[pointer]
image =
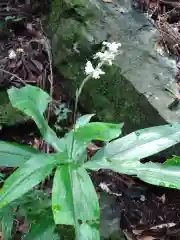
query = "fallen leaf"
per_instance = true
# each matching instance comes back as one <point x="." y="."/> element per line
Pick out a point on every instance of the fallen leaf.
<point x="107" y="1"/>
<point x="146" y="238"/>
<point x="92" y="149"/>
<point x="137" y="232"/>
<point x="163" y="225"/>
<point x="129" y="235"/>
<point x="163" y="198"/>
<point x="24" y="228"/>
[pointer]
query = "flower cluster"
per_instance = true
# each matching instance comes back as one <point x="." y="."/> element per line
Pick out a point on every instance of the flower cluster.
<point x="13" y="54"/>
<point x="89" y="69"/>
<point x="106" y="56"/>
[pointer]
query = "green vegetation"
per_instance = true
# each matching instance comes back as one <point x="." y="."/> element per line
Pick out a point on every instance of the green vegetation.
<point x="74" y="200"/>
<point x="46" y="190"/>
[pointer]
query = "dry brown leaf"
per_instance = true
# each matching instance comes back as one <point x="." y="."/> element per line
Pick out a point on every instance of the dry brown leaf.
<point x="107" y="1"/>
<point x="36" y="143"/>
<point x="163" y="198"/>
<point x="161" y="218"/>
<point x="137" y="231"/>
<point x="141" y="221"/>
<point x="146" y="238"/>
<point x="92" y="147"/>
<point x="24" y="228"/>
<point x="129" y="235"/>
<point x="163" y="225"/>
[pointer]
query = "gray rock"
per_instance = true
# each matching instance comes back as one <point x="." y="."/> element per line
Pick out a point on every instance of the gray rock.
<point x="132" y="91"/>
<point x="110" y="218"/>
<point x="77" y="31"/>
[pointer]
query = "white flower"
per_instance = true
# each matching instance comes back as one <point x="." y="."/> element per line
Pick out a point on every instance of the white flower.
<point x="112" y="47"/>
<point x="96" y="72"/>
<point x="20" y="50"/>
<point x="112" y="50"/>
<point x="89" y="68"/>
<point x="105" y="56"/>
<point x="12" y="54"/>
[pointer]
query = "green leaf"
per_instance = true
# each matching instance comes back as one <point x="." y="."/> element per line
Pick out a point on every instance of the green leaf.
<point x="14" y="155"/>
<point x="89" y="231"/>
<point x="43" y="228"/>
<point x="123" y="155"/>
<point x="62" y="202"/>
<point x="38" y="99"/>
<point x="159" y="174"/>
<point x="29" y="175"/>
<point x="76" y="151"/>
<point x="175" y="161"/>
<point x="85" y="134"/>
<point x="83" y="120"/>
<point x="33" y="102"/>
<point x="97" y="131"/>
<point x="6" y="222"/>
<point x="133" y="147"/>
<point x="74" y="201"/>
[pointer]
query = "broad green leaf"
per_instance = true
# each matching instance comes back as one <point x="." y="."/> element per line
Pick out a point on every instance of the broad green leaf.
<point x="38" y="99"/>
<point x="6" y="221"/>
<point x="80" y="137"/>
<point x="43" y="228"/>
<point x="33" y="102"/>
<point x="62" y="199"/>
<point x="74" y="201"/>
<point x="14" y="155"/>
<point x="26" y="177"/>
<point x="76" y="150"/>
<point x="123" y="155"/>
<point x="97" y="131"/>
<point x="83" y="120"/>
<point x="89" y="231"/>
<point x="175" y="161"/>
<point x="135" y="146"/>
<point x="159" y="174"/>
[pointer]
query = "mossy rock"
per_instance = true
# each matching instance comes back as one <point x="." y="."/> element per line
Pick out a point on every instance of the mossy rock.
<point x="77" y="31"/>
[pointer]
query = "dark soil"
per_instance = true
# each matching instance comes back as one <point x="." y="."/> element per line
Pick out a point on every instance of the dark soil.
<point x="147" y="212"/>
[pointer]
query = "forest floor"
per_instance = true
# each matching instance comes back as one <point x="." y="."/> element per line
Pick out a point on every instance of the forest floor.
<point x="147" y="212"/>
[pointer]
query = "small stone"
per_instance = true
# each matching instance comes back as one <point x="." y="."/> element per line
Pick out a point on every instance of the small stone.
<point x="142" y="198"/>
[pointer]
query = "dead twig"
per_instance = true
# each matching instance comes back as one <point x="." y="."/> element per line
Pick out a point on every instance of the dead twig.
<point x="47" y="46"/>
<point x="13" y="75"/>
